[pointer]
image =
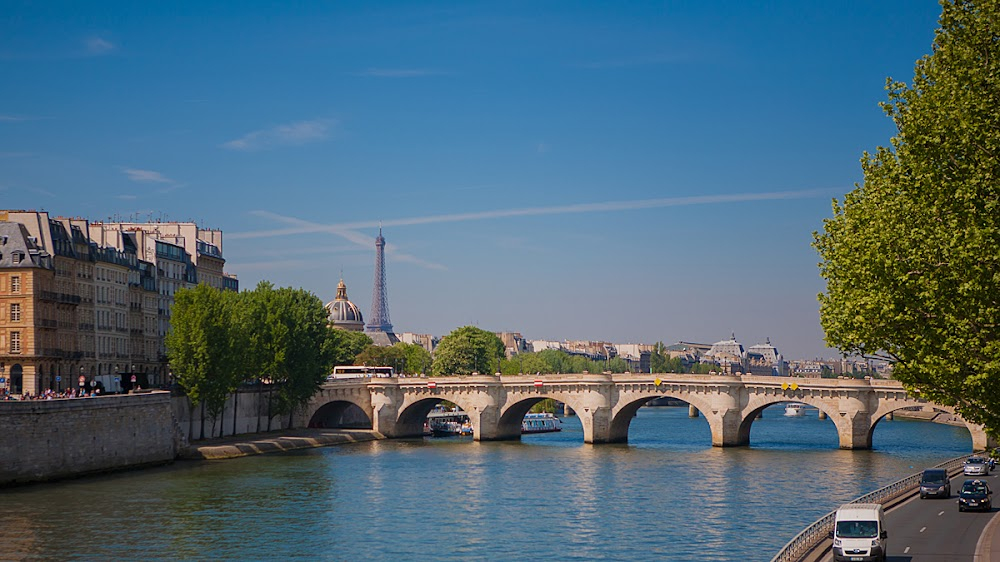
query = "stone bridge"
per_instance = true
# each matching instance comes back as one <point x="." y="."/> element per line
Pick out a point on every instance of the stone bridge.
<point x="607" y="403"/>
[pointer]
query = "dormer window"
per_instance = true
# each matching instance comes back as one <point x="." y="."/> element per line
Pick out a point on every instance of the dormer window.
<point x="17" y="257"/>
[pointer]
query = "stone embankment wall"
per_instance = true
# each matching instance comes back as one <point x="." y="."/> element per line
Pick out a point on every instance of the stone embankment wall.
<point x="51" y="439"/>
<point x="932" y="415"/>
<point x="248" y="406"/>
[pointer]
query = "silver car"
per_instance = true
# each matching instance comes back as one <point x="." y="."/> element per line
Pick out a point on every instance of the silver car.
<point x="976" y="466"/>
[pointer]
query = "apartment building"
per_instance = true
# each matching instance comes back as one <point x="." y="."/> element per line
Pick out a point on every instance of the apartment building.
<point x="84" y="303"/>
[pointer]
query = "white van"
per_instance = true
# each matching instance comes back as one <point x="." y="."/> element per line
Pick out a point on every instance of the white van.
<point x="859" y="533"/>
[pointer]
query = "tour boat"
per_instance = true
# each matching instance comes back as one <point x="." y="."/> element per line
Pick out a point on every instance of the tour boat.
<point x="540" y="423"/>
<point x="444" y="424"/>
<point x="795" y="410"/>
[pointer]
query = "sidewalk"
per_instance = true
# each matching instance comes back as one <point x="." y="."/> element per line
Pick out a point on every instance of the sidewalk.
<point x="989" y="540"/>
<point x="277" y="441"/>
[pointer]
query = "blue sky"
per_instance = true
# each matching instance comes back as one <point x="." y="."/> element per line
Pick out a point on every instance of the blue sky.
<point x="623" y="171"/>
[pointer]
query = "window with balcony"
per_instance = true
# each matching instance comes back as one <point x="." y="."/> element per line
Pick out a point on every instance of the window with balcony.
<point x="15" y="342"/>
<point x="15" y="312"/>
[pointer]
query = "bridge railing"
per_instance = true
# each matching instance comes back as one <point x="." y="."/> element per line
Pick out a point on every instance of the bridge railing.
<point x="812" y="535"/>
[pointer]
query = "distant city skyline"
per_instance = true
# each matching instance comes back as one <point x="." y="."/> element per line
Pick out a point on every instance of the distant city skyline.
<point x="610" y="172"/>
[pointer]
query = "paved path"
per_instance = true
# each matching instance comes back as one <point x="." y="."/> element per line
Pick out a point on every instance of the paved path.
<point x="988" y="548"/>
<point x="260" y="443"/>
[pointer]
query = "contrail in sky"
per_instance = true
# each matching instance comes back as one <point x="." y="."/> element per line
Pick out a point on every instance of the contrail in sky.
<point x="346" y="229"/>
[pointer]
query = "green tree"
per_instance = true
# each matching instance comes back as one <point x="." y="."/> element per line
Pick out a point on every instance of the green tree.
<point x="660" y="361"/>
<point x="701" y="368"/>
<point x="378" y="356"/>
<point x="416" y="358"/>
<point x="911" y="258"/>
<point x="556" y="361"/>
<point x="526" y="363"/>
<point x="466" y="350"/>
<point x="405" y="358"/>
<point x="204" y="347"/>
<point x="304" y="346"/>
<point x="545" y="405"/>
<point x="348" y="345"/>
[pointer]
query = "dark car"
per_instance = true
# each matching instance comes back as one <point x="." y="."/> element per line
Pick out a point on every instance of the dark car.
<point x="935" y="482"/>
<point x="975" y="494"/>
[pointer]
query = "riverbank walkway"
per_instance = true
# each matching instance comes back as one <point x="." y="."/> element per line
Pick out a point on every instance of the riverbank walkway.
<point x="274" y="442"/>
<point x="988" y="547"/>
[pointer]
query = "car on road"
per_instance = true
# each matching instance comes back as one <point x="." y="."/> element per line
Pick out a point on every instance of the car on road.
<point x="976" y="466"/>
<point x="975" y="494"/>
<point x="935" y="482"/>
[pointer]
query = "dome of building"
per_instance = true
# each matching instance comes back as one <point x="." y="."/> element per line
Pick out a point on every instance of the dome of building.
<point x="343" y="313"/>
<point x="726" y="348"/>
<point x="768" y="351"/>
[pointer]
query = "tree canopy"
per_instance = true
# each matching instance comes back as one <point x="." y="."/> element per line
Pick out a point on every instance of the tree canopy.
<point x="403" y="357"/>
<point x="204" y="350"/>
<point x="348" y="345"/>
<point x="220" y="339"/>
<point x="911" y="257"/>
<point x="466" y="350"/>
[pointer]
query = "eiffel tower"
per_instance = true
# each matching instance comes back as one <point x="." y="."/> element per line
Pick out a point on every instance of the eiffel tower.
<point x="378" y="322"/>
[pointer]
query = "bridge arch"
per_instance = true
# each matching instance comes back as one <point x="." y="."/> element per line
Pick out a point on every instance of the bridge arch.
<point x="758" y="403"/>
<point x="413" y="413"/>
<point x="622" y="417"/>
<point x="980" y="440"/>
<point x="333" y="402"/>
<point x="511" y="416"/>
<point x="342" y="414"/>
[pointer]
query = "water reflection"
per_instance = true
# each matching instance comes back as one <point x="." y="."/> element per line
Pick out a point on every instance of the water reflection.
<point x="667" y="494"/>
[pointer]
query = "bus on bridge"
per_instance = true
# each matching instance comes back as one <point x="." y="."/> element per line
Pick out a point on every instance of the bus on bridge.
<point x="346" y="372"/>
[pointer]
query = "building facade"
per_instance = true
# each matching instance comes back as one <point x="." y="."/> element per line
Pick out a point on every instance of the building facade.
<point x="88" y="304"/>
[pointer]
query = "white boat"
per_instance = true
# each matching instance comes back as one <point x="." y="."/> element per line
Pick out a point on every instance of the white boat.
<point x="443" y="424"/>
<point x="543" y="422"/>
<point x="795" y="410"/>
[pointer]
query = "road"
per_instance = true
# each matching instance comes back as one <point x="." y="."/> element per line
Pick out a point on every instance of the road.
<point x="933" y="530"/>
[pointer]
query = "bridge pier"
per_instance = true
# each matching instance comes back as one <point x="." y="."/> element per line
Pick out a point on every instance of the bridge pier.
<point x="855" y="430"/>
<point x="597" y="426"/>
<point x="692" y="411"/>
<point x="728" y="429"/>
<point x="980" y="440"/>
<point x="486" y="424"/>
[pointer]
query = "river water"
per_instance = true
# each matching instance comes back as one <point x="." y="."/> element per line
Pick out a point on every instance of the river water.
<point x="667" y="495"/>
